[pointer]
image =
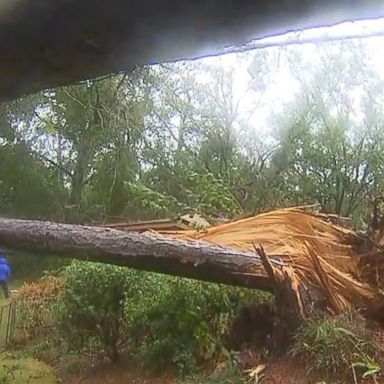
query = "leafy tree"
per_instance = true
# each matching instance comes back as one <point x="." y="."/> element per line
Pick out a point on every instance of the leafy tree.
<point x="173" y="138"/>
<point x="330" y="139"/>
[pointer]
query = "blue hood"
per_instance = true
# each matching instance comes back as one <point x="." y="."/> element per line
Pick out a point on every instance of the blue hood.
<point x="5" y="270"/>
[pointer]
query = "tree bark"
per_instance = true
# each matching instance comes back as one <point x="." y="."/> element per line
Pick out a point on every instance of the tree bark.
<point x="148" y="252"/>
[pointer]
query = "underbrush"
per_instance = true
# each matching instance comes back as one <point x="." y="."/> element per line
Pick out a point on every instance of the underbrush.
<point x="182" y="323"/>
<point x="34" y="309"/>
<point x="340" y="347"/>
<point x="163" y="322"/>
<point x="90" y="311"/>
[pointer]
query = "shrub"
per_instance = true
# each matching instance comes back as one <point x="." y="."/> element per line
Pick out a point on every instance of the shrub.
<point x="182" y="323"/>
<point x="337" y="347"/>
<point x="90" y="307"/>
<point x="166" y="321"/>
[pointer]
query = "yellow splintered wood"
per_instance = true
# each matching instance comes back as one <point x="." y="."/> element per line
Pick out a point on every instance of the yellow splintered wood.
<point x="322" y="254"/>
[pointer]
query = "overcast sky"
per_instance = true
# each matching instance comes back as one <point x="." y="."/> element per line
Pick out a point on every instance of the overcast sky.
<point x="282" y="86"/>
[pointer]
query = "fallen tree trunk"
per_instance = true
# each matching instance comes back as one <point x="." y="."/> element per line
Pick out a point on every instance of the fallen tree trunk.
<point x="311" y="266"/>
<point x="148" y="252"/>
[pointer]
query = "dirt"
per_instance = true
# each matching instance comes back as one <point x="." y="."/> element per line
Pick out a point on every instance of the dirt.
<point x="287" y="371"/>
<point x="122" y="372"/>
<point x="253" y="326"/>
<point x="290" y="371"/>
<point x="279" y="371"/>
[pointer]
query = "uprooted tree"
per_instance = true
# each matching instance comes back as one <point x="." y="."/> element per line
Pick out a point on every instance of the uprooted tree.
<point x="311" y="265"/>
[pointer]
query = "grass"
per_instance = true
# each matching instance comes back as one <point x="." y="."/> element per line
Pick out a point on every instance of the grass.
<point x="337" y="347"/>
<point x="21" y="370"/>
<point x="14" y="284"/>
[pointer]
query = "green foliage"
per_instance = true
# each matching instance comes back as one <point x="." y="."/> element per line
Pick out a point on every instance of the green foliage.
<point x="5" y="375"/>
<point x="91" y="306"/>
<point x="176" y="137"/>
<point x="167" y="322"/>
<point x="368" y="366"/>
<point x="328" y="154"/>
<point x="151" y="202"/>
<point x="211" y="196"/>
<point x="337" y="347"/>
<point x="27" y="187"/>
<point x="182" y="323"/>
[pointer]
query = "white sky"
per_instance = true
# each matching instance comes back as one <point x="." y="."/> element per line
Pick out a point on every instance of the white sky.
<point x="282" y="86"/>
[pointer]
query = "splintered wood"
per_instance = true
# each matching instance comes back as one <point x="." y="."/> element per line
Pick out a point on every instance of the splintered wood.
<point x="317" y="255"/>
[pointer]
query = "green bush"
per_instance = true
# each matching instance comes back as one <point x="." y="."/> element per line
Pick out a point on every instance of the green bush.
<point x="165" y="321"/>
<point x="337" y="347"/>
<point x="90" y="307"/>
<point x="182" y="323"/>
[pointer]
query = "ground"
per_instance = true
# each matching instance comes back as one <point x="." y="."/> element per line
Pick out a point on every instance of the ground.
<point x="280" y="371"/>
<point x="21" y="370"/>
<point x="119" y="373"/>
<point x="124" y="372"/>
<point x="4" y="312"/>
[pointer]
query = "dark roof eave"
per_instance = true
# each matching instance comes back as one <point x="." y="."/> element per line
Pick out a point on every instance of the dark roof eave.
<point x="48" y="43"/>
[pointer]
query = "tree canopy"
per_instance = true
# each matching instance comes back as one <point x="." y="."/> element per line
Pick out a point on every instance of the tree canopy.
<point x="170" y="139"/>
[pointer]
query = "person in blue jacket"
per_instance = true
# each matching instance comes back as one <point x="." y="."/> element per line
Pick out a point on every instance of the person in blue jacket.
<point x="5" y="273"/>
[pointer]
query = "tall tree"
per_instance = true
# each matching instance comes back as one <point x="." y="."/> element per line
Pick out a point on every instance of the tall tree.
<point x="331" y="135"/>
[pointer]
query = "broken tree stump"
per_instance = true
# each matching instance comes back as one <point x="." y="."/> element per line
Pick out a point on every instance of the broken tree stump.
<point x="295" y="303"/>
